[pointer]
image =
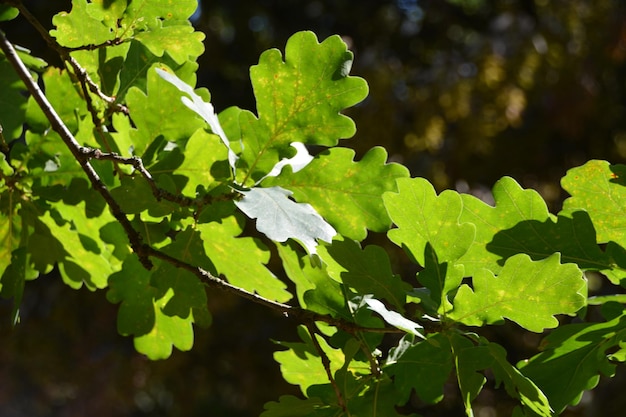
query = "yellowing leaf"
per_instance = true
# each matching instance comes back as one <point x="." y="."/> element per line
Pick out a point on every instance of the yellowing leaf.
<point x="298" y="100"/>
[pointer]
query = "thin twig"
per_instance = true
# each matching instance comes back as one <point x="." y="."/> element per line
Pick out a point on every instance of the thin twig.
<point x="92" y="47"/>
<point x="159" y="193"/>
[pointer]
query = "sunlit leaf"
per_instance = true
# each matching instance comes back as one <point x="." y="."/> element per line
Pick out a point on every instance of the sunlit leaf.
<point x="527" y="292"/>
<point x="357" y="190"/>
<point x="598" y="188"/>
<point x="429" y="230"/>
<point x="298" y="100"/>
<point x="78" y="27"/>
<point x="242" y="260"/>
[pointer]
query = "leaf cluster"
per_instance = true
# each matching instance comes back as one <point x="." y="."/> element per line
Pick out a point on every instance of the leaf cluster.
<point x="125" y="178"/>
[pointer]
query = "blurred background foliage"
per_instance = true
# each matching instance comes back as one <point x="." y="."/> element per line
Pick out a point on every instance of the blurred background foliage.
<point x="462" y="92"/>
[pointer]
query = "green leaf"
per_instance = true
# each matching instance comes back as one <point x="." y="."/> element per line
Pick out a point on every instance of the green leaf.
<point x="423" y="218"/>
<point x="428" y="229"/>
<point x="142" y="312"/>
<point x="159" y="114"/>
<point x="132" y="288"/>
<point x="290" y="406"/>
<point x="514" y="206"/>
<point x="65" y="99"/>
<point x="10" y="226"/>
<point x="527" y="292"/>
<point x="368" y="270"/>
<point x="88" y="260"/>
<point x="187" y="292"/>
<point x="79" y="28"/>
<point x="107" y="11"/>
<point x="573" y="358"/>
<point x="424" y="367"/>
<point x="202" y="164"/>
<point x="315" y="289"/>
<point x="598" y="188"/>
<point x="280" y="218"/>
<point x="357" y="190"/>
<point x="470" y="359"/>
<point x="8" y="13"/>
<point x="181" y="42"/>
<point x="148" y="13"/>
<point x="301" y="365"/>
<point x="298" y="100"/>
<point x="134" y="196"/>
<point x="168" y="331"/>
<point x="12" y="102"/>
<point x="202" y="108"/>
<point x="241" y="259"/>
<point x="572" y="234"/>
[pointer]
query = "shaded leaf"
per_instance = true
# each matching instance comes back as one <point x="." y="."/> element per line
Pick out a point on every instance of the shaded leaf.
<point x="573" y="358"/>
<point x="134" y="196"/>
<point x="12" y="102"/>
<point x="423" y="366"/>
<point x="513" y="206"/>
<point x="572" y="234"/>
<point x="159" y="114"/>
<point x="290" y="406"/>
<point x="8" y="13"/>
<point x="367" y="270"/>
<point x="136" y="314"/>
<point x="280" y="218"/>
<point x="315" y="289"/>
<point x="470" y="359"/>
<point x="168" y="331"/>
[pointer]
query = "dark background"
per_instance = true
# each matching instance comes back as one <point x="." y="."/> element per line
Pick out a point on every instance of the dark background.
<point x="461" y="91"/>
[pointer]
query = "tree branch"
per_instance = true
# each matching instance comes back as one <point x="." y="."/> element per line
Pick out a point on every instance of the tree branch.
<point x="74" y="147"/>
